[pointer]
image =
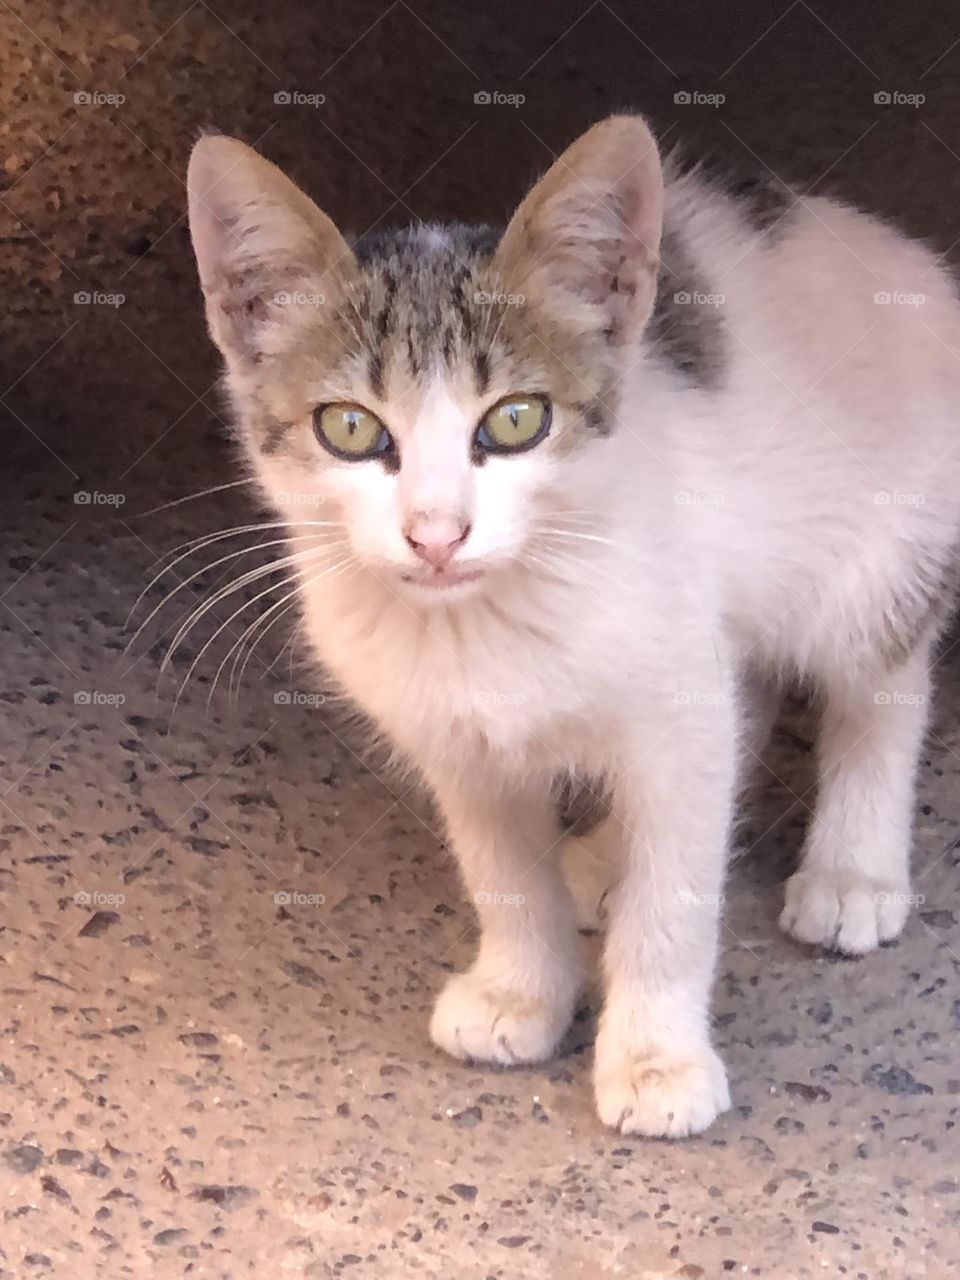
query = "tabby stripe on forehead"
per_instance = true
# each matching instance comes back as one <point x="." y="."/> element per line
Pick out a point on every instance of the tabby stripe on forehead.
<point x="413" y="360"/>
<point x="462" y="303"/>
<point x="375" y="373"/>
<point x="481" y="369"/>
<point x="383" y="327"/>
<point x="384" y="320"/>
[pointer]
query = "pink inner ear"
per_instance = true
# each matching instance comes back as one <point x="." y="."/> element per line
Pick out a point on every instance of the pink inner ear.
<point x="589" y="231"/>
<point x="209" y="233"/>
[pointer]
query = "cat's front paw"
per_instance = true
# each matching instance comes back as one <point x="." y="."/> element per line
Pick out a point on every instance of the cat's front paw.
<point x="659" y="1093"/>
<point x="849" y="912"/>
<point x="478" y="1020"/>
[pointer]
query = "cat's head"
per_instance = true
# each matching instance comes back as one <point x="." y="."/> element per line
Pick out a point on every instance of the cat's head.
<point x="441" y="391"/>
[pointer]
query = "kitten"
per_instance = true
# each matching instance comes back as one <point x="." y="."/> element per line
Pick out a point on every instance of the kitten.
<point x="588" y="487"/>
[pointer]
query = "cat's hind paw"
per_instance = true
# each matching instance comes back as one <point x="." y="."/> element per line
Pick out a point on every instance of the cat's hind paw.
<point x="478" y="1021"/>
<point x="592" y="883"/>
<point x="849" y="913"/>
<point x="661" y="1094"/>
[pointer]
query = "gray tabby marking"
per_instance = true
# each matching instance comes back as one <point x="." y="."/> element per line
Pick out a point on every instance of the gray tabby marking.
<point x="688" y="333"/>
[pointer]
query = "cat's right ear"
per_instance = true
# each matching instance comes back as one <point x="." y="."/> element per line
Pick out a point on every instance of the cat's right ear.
<point x="262" y="248"/>
<point x="585" y="242"/>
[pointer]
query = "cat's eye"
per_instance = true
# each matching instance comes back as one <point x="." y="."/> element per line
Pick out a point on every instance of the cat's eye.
<point x="352" y="432"/>
<point x="516" y="423"/>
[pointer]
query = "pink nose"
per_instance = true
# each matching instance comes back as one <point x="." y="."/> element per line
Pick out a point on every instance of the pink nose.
<point x="435" y="538"/>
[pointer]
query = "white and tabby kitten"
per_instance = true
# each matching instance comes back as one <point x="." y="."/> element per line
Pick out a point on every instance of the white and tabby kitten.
<point x="577" y="498"/>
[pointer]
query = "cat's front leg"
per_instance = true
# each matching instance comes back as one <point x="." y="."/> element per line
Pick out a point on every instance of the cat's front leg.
<point x="517" y="999"/>
<point x="656" y="1072"/>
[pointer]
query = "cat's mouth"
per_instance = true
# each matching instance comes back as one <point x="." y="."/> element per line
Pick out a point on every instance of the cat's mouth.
<point x="442" y="579"/>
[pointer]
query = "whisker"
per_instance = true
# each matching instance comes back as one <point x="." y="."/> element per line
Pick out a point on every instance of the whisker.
<point x="190" y="497"/>
<point x="238" y="679"/>
<point x="287" y="644"/>
<point x="233" y="555"/>
<point x="553" y="567"/>
<point x="206" y="539"/>
<point x="236" y="649"/>
<point x="576" y="513"/>
<point x="245" y="579"/>
<point x="235" y="683"/>
<point x="246" y="605"/>
<point x="276" y="586"/>
<point x="296" y="632"/>
<point x="259" y="526"/>
<point x="576" y="534"/>
<point x="559" y="553"/>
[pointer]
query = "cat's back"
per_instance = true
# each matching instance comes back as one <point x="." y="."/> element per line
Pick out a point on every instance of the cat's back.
<point x="797" y="279"/>
<point x="830" y="420"/>
<point x="822" y="319"/>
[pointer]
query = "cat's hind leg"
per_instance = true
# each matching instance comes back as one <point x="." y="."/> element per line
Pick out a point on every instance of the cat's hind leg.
<point x="592" y="865"/>
<point x="760" y="701"/>
<point x="852" y="890"/>
<point x="593" y="854"/>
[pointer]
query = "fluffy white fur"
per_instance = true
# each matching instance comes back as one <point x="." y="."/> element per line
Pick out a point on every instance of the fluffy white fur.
<point x="794" y="521"/>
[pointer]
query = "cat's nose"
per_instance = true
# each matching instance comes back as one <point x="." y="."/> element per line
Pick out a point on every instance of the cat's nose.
<point x="435" y="538"/>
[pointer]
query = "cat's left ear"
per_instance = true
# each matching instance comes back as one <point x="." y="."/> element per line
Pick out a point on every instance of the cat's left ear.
<point x="267" y="256"/>
<point x="585" y="242"/>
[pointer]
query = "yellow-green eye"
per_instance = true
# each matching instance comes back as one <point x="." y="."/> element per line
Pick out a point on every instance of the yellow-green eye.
<point x="519" y="422"/>
<point x="350" y="431"/>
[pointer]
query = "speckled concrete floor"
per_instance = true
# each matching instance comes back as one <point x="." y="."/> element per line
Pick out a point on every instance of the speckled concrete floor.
<point x="197" y="1077"/>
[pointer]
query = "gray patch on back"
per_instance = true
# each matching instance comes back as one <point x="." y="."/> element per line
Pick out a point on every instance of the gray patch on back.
<point x="761" y="199"/>
<point x="692" y="336"/>
<point x="687" y="333"/>
<point x="763" y="202"/>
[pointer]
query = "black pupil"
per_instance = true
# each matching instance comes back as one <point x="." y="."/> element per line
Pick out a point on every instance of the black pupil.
<point x="352" y="421"/>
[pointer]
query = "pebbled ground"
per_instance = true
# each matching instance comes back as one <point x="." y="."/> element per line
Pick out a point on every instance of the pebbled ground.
<point x="204" y="1069"/>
